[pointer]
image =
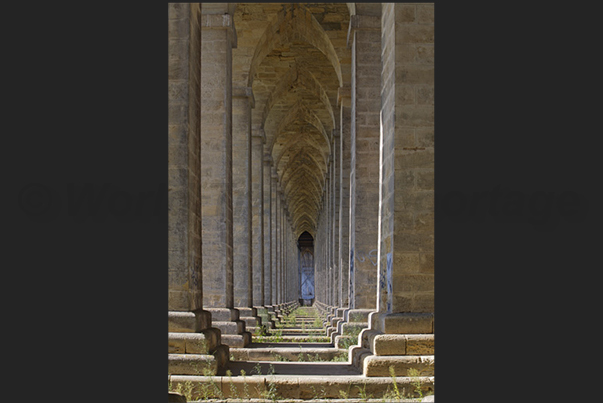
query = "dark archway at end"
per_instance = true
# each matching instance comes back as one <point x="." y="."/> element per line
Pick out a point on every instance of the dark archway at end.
<point x="305" y="244"/>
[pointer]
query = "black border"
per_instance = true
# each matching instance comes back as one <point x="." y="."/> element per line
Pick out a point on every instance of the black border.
<point x="85" y="86"/>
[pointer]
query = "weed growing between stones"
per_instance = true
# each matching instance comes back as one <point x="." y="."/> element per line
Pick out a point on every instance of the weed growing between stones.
<point x="362" y="392"/>
<point x="322" y="395"/>
<point x="345" y="394"/>
<point x="184" y="388"/>
<point x="418" y="384"/>
<point x="233" y="388"/>
<point x="278" y="357"/>
<point x="257" y="369"/>
<point x="270" y="393"/>
<point x="392" y="373"/>
<point x="210" y="390"/>
<point x="341" y="357"/>
<point x="245" y="387"/>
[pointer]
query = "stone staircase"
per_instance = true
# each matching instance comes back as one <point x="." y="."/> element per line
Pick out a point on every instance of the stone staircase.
<point x="273" y="367"/>
<point x="193" y="347"/>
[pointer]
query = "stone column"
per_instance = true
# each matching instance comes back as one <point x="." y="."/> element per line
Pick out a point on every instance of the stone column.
<point x="336" y="208"/>
<point x="405" y="291"/>
<point x="365" y="37"/>
<point x="243" y="281"/>
<point x="242" y="102"/>
<point x="191" y="339"/>
<point x="257" y="221"/>
<point x="282" y="249"/>
<point x="218" y="37"/>
<point x="344" y="99"/>
<point x="327" y="209"/>
<point x="274" y="238"/>
<point x="407" y="192"/>
<point x="185" y="290"/>
<point x="267" y="230"/>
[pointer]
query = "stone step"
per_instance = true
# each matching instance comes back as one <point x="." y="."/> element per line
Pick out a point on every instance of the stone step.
<point x="403" y="344"/>
<point x="341" y="341"/>
<point x="193" y="343"/>
<point x="376" y="365"/>
<point x="300" y="330"/>
<point x="250" y="321"/>
<point x="232" y="327"/>
<point x="287" y="354"/>
<point x="302" y="339"/>
<point x="306" y="387"/>
<point x="192" y="364"/>
<point x="236" y="340"/>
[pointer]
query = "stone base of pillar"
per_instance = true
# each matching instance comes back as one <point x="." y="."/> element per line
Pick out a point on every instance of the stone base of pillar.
<point x="189" y="322"/>
<point x="264" y="314"/>
<point x="232" y="328"/>
<point x="253" y="322"/>
<point x="408" y="343"/>
<point x="194" y="347"/>
<point x="404" y="323"/>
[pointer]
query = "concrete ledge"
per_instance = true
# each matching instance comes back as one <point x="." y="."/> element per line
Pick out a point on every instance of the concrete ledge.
<point x="379" y="365"/>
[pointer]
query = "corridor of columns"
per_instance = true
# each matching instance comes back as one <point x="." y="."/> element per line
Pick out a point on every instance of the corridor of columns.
<point x="301" y="140"/>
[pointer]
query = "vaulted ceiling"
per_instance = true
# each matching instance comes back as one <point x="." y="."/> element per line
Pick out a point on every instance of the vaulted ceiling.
<point x="294" y="57"/>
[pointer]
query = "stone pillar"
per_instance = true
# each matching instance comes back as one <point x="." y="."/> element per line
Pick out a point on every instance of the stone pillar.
<point x="189" y="326"/>
<point x="257" y="216"/>
<point x="267" y="229"/>
<point x="243" y="252"/>
<point x="405" y="291"/>
<point x="365" y="41"/>
<point x="242" y="102"/>
<point x="274" y="238"/>
<point x="407" y="192"/>
<point x="344" y="99"/>
<point x="327" y="232"/>
<point x="218" y="37"/>
<point x="336" y="208"/>
<point x="282" y="249"/>
<point x="185" y="283"/>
